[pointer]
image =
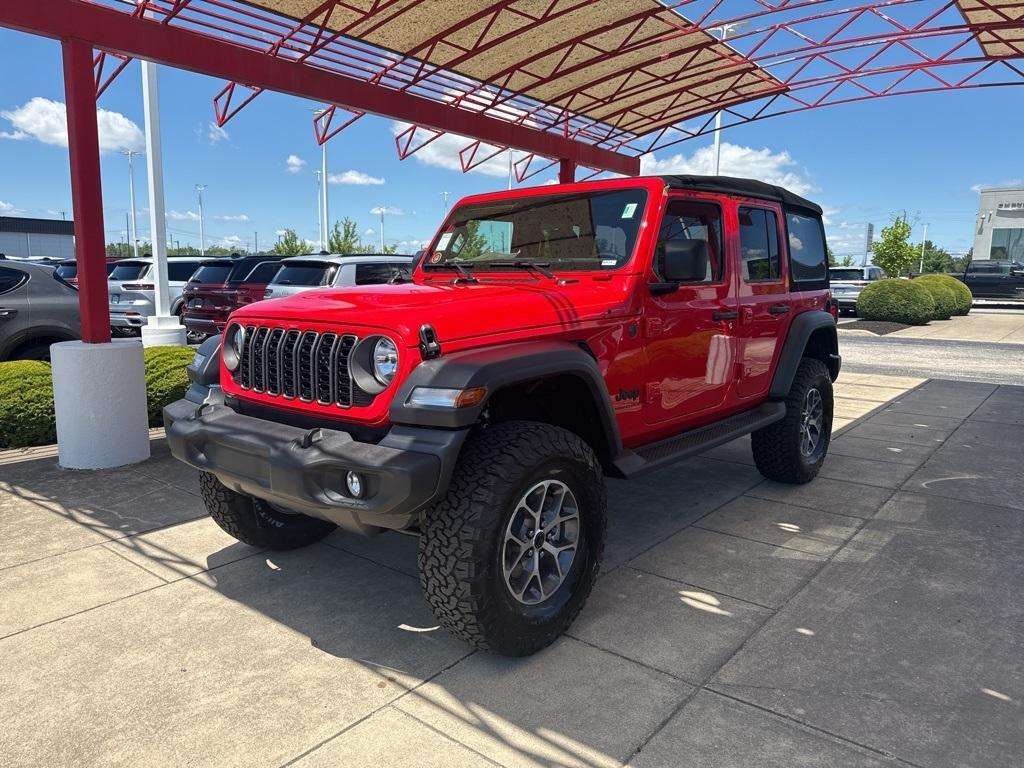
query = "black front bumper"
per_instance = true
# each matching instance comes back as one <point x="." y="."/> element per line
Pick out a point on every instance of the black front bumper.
<point x="305" y="469"/>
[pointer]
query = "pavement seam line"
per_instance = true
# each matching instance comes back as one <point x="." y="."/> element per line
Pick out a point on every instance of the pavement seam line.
<point x="369" y="559"/>
<point x="684" y="583"/>
<point x="137" y="565"/>
<point x="446" y="736"/>
<point x="768" y="543"/>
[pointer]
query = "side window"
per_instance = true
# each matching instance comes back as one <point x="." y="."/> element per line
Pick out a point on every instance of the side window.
<point x="373" y="274"/>
<point x="692" y="220"/>
<point x="180" y="271"/>
<point x="808" y="261"/>
<point x="11" y="279"/>
<point x="759" y="244"/>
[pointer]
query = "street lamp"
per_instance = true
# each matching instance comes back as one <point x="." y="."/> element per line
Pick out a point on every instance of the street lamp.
<point x="321" y="182"/>
<point x="130" y="154"/>
<point x="724" y="30"/>
<point x="202" y="234"/>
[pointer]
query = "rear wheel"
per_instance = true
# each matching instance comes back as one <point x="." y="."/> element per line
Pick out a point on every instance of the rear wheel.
<point x="508" y="558"/>
<point x="258" y="522"/>
<point x="792" y="450"/>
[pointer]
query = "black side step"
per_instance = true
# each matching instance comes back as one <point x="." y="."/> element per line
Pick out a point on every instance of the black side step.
<point x="632" y="463"/>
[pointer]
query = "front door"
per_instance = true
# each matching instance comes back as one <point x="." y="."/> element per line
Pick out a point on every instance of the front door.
<point x="765" y="309"/>
<point x="689" y="343"/>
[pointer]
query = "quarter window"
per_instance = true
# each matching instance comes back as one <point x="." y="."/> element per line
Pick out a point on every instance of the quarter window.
<point x="11" y="279"/>
<point x="692" y="220"/>
<point x="375" y="274"/>
<point x="759" y="244"/>
<point x="808" y="261"/>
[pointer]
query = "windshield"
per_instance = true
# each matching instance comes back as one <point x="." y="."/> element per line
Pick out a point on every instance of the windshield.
<point x="845" y="274"/>
<point x="129" y="271"/>
<point x="215" y="274"/>
<point x="569" y="232"/>
<point x="305" y="274"/>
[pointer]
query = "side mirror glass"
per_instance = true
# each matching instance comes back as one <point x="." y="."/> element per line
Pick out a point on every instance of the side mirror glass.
<point x="685" y="261"/>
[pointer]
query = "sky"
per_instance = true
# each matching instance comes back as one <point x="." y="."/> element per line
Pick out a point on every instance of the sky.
<point x="925" y="155"/>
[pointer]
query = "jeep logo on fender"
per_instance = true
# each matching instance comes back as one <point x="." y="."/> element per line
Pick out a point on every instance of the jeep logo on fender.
<point x="627" y="394"/>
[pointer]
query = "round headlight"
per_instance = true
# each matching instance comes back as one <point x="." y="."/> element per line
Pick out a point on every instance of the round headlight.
<point x="233" y="341"/>
<point x="385" y="360"/>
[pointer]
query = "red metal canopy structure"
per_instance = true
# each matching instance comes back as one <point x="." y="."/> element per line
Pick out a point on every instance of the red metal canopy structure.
<point x="590" y="83"/>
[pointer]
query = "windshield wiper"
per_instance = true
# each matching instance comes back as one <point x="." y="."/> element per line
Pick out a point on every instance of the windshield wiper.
<point x="464" y="274"/>
<point x="532" y="266"/>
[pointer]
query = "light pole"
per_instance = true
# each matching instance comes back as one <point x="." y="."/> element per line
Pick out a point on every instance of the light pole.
<point x="382" y="229"/>
<point x="327" y="215"/>
<point x="130" y="154"/>
<point x="320" y="208"/>
<point x="444" y="197"/>
<point x="202" y="233"/>
<point x="724" y="31"/>
<point x="920" y="269"/>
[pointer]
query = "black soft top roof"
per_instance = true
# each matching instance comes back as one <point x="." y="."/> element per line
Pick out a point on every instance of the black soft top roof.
<point x="729" y="185"/>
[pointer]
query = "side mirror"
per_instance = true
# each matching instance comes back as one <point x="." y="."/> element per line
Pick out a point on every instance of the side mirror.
<point x="685" y="261"/>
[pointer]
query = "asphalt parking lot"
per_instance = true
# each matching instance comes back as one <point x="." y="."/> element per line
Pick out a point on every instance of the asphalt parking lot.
<point x="872" y="617"/>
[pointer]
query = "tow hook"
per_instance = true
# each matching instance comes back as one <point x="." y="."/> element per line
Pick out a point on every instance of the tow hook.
<point x="313" y="436"/>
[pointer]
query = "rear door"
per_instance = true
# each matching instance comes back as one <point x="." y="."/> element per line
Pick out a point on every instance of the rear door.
<point x="689" y="338"/>
<point x="763" y="294"/>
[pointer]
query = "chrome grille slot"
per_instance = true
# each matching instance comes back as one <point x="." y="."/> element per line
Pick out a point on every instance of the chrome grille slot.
<point x="303" y="365"/>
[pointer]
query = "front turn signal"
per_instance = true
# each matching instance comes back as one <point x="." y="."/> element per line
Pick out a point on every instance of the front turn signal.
<point x="434" y="397"/>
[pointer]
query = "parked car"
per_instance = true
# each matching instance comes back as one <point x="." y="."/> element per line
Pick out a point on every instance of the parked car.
<point x="220" y="286"/>
<point x="68" y="269"/>
<point x="994" y="279"/>
<point x="847" y="283"/>
<point x="303" y="273"/>
<point x="132" y="289"/>
<point x="550" y="337"/>
<point x="37" y="309"/>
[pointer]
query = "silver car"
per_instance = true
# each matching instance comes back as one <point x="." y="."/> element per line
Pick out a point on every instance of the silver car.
<point x="846" y="283"/>
<point x="304" y="273"/>
<point x="37" y="309"/>
<point x="132" y="290"/>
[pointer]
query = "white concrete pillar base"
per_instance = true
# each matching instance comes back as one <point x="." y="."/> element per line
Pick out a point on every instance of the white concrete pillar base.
<point x="99" y="395"/>
<point x="163" y="331"/>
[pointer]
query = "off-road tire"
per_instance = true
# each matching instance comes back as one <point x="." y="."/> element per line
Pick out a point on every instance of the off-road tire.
<point x="776" y="447"/>
<point x="255" y="522"/>
<point x="460" y="547"/>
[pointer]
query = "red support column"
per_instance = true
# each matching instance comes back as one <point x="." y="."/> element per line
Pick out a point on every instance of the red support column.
<point x="86" y="190"/>
<point x="566" y="171"/>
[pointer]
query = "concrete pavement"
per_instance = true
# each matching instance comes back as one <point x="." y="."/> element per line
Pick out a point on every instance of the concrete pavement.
<point x="994" y="327"/>
<point x="869" y="618"/>
<point x="974" y="361"/>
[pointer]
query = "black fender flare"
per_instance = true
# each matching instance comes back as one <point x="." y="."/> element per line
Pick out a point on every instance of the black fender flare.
<point x="496" y="368"/>
<point x="801" y="329"/>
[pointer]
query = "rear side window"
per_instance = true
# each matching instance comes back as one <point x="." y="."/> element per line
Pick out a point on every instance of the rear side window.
<point x="263" y="273"/>
<point x="846" y="274"/>
<point x="11" y="279"/>
<point x="759" y="244"/>
<point x="375" y="274"/>
<point x="129" y="271"/>
<point x="67" y="271"/>
<point x="215" y="274"/>
<point x="181" y="271"/>
<point x="808" y="260"/>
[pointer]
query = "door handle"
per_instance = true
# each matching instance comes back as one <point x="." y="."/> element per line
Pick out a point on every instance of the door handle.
<point x="779" y="309"/>
<point x="7" y="314"/>
<point x="725" y="314"/>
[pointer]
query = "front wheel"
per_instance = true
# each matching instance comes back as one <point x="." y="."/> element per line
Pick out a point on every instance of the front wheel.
<point x="792" y="450"/>
<point x="508" y="558"/>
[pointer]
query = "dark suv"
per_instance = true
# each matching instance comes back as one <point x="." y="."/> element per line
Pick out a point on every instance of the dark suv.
<point x="549" y="337"/>
<point x="994" y="279"/>
<point x="221" y="286"/>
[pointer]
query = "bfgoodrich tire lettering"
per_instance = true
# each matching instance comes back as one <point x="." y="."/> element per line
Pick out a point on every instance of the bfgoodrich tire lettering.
<point x="255" y="522"/>
<point x="782" y="451"/>
<point x="461" y="546"/>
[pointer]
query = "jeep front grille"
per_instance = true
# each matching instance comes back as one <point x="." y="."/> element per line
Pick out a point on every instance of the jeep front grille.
<point x="302" y="365"/>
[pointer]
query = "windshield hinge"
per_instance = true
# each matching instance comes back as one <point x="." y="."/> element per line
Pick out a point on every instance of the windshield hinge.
<point x="430" y="347"/>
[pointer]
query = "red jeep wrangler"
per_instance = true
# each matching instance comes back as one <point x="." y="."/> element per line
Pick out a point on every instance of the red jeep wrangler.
<point x="550" y="337"/>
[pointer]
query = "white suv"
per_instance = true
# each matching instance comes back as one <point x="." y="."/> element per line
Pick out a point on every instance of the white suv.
<point x="132" y="289"/>
<point x="846" y="283"/>
<point x="304" y="273"/>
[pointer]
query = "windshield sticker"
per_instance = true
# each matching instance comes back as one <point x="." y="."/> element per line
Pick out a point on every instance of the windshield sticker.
<point x="443" y="241"/>
<point x="436" y="258"/>
<point x="629" y="210"/>
<point x="609" y="262"/>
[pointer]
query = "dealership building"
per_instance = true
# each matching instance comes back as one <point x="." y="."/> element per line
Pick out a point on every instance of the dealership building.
<point x="35" y="238"/>
<point x="999" y="233"/>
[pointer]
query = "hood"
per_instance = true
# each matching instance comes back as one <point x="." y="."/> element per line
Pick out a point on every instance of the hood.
<point x="456" y="311"/>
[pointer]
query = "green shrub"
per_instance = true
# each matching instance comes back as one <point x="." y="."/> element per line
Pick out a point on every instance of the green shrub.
<point x="896" y="301"/>
<point x="26" y="404"/>
<point x="961" y="293"/>
<point x="166" y="379"/>
<point x="945" y="301"/>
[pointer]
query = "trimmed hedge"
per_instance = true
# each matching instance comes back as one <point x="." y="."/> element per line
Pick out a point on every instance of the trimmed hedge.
<point x="166" y="379"/>
<point x="26" y="404"/>
<point x="26" y="395"/>
<point x="962" y="297"/>
<point x="896" y="301"/>
<point x="945" y="301"/>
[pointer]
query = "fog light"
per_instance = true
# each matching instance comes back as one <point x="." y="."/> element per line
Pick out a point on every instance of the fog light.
<point x="354" y="483"/>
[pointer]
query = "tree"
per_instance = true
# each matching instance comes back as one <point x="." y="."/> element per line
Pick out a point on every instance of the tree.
<point x="935" y="259"/>
<point x="344" y="238"/>
<point x="289" y="244"/>
<point x="893" y="253"/>
<point x="475" y="245"/>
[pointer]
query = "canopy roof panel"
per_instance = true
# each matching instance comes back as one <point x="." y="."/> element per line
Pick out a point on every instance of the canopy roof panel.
<point x="996" y="42"/>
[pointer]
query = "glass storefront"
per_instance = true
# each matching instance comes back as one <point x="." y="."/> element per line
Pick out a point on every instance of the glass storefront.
<point x="1007" y="244"/>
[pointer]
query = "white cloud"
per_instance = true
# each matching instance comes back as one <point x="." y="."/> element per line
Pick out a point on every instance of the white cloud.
<point x="443" y="152"/>
<point x="984" y="185"/>
<point x="370" y="231"/>
<point x="7" y="207"/>
<point x="232" y="241"/>
<point x="280" y="232"/>
<point x="747" y="162"/>
<point x="294" y="163"/>
<point x="182" y="216"/>
<point x="354" y="177"/>
<point x="46" y="121"/>
<point x="239" y="217"/>
<point x="387" y="210"/>
<point x="215" y="134"/>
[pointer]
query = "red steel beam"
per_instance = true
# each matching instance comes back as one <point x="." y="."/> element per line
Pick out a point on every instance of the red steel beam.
<point x="184" y="49"/>
<point x="86" y="191"/>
